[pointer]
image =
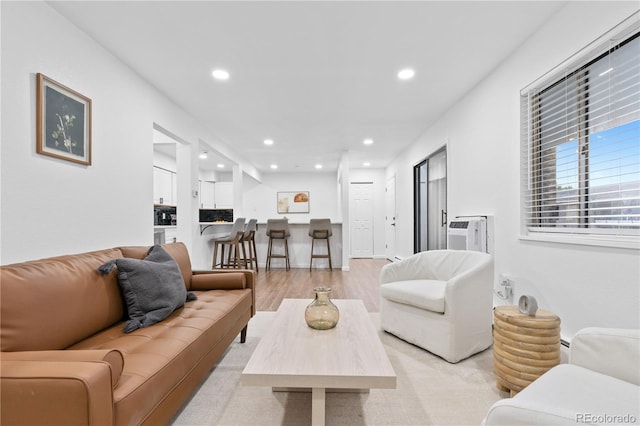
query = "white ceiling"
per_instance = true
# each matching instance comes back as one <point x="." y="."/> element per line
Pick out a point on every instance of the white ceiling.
<point x="316" y="77"/>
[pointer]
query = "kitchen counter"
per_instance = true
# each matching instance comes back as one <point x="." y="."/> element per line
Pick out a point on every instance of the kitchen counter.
<point x="220" y="225"/>
<point x="299" y="244"/>
<point x="215" y="223"/>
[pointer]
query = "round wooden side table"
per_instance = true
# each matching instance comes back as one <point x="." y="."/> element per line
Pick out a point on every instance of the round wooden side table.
<point x="524" y="346"/>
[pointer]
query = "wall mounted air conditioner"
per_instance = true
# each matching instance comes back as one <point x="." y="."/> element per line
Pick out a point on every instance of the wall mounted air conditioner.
<point x="468" y="233"/>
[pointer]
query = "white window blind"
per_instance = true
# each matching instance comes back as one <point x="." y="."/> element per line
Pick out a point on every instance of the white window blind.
<point x="581" y="142"/>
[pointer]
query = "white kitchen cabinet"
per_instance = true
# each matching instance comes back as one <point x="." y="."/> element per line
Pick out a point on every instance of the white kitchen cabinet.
<point x="207" y="195"/>
<point x="223" y="195"/>
<point x="164" y="187"/>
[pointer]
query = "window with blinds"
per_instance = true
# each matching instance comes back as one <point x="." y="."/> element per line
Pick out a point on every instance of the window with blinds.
<point x="581" y="143"/>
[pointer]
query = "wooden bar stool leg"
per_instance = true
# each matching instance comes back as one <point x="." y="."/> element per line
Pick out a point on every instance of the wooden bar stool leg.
<point x="286" y="253"/>
<point x="245" y="260"/>
<point x="237" y="259"/>
<point x="254" y="252"/>
<point x="268" y="262"/>
<point x="215" y="255"/>
<point x="313" y="240"/>
<point x="236" y="255"/>
<point x="229" y="256"/>
<point x="329" y="253"/>
<point x="222" y="264"/>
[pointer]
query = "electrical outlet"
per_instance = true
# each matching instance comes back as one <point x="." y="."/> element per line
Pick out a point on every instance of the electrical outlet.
<point x="504" y="281"/>
<point x="505" y="292"/>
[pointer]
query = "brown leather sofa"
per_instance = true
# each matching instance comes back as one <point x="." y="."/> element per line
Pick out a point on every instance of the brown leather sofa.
<point x="66" y="361"/>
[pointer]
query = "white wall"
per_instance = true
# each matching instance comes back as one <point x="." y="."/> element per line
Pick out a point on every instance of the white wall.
<point x="164" y="161"/>
<point x="585" y="286"/>
<point x="52" y="207"/>
<point x="259" y="198"/>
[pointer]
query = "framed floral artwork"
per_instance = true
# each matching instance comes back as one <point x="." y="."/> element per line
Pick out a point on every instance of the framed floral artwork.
<point x="63" y="119"/>
<point x="293" y="202"/>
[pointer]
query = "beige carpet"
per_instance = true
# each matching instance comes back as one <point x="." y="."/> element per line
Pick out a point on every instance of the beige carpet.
<point x="430" y="391"/>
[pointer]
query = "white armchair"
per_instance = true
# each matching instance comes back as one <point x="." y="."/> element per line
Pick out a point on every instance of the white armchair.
<point x="440" y="300"/>
<point x="600" y="385"/>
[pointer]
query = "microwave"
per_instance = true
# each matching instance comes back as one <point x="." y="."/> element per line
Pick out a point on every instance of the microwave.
<point x="164" y="216"/>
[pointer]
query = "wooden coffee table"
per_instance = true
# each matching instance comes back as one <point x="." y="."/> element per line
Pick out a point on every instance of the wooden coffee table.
<point x="292" y="356"/>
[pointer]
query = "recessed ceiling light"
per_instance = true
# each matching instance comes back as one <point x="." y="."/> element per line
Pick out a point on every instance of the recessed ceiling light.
<point x="367" y="141"/>
<point x="274" y="166"/>
<point x="406" y="74"/>
<point x="268" y="142"/>
<point x="203" y="155"/>
<point x="366" y="164"/>
<point x="318" y="166"/>
<point x="221" y="166"/>
<point x="220" y="74"/>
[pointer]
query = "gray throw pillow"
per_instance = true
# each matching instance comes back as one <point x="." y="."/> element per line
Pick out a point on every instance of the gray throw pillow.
<point x="152" y="288"/>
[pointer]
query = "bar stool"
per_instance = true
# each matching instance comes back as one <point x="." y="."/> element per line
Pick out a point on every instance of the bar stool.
<point x="277" y="229"/>
<point x="232" y="240"/>
<point x="250" y="238"/>
<point x="320" y="229"/>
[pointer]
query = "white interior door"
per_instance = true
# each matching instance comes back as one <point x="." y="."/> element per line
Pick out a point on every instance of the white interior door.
<point x="361" y="219"/>
<point x="390" y="218"/>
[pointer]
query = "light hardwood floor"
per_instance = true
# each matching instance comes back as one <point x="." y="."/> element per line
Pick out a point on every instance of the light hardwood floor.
<point x="361" y="282"/>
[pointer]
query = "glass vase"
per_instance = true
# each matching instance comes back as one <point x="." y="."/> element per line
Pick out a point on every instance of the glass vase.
<point x="322" y="314"/>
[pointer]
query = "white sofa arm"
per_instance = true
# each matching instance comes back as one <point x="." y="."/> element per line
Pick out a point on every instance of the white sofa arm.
<point x="390" y="272"/>
<point x="470" y="292"/>
<point x="611" y="351"/>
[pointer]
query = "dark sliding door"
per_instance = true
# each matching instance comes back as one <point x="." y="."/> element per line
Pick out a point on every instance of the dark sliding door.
<point x="430" y="203"/>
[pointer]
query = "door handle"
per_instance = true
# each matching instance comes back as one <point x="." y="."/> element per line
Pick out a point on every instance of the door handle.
<point x="443" y="218"/>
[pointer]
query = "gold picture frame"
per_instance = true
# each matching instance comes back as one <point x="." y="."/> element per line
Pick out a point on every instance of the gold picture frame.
<point x="63" y="120"/>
